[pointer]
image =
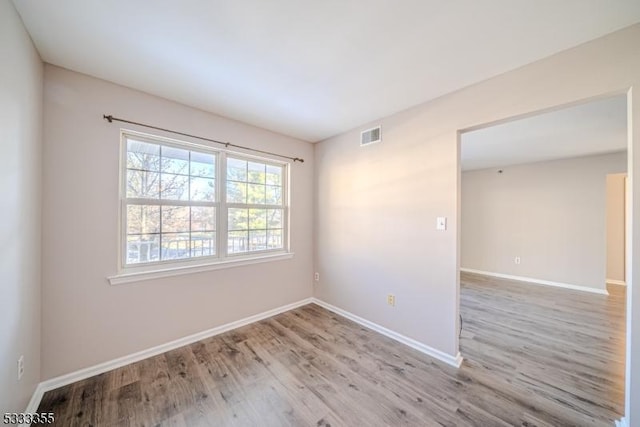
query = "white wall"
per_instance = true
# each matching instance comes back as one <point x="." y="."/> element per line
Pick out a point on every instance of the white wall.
<point x="550" y="214"/>
<point x="20" y="183"/>
<point x="86" y="320"/>
<point x="376" y="206"/>
<point x="615" y="226"/>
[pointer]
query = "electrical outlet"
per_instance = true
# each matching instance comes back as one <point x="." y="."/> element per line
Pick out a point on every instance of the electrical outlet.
<point x="391" y="300"/>
<point x="316" y="276"/>
<point x="517" y="260"/>
<point x="20" y="367"/>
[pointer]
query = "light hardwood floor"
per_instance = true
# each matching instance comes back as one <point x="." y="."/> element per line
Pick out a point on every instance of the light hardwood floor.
<point x="534" y="356"/>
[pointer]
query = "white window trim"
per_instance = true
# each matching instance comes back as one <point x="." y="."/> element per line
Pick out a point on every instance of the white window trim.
<point x="168" y="268"/>
<point x="159" y="273"/>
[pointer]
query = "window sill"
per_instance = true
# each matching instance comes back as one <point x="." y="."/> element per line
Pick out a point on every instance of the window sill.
<point x="138" y="276"/>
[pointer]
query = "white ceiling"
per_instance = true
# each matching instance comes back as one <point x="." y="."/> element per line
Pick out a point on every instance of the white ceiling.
<point x="593" y="128"/>
<point x="310" y="69"/>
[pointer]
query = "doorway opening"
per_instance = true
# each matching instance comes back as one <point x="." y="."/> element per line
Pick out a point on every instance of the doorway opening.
<point x="534" y="254"/>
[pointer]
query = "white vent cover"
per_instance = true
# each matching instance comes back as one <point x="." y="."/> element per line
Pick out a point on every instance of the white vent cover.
<point x="370" y="136"/>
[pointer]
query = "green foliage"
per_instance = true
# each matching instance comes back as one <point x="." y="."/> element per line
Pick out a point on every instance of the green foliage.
<point x="254" y="184"/>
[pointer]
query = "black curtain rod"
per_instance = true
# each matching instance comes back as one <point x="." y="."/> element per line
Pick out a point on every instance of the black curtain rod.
<point x="112" y="119"/>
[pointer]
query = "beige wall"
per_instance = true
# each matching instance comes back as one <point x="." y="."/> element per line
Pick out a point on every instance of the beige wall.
<point x="20" y="181"/>
<point x="86" y="320"/>
<point x="376" y="207"/>
<point x="550" y="214"/>
<point x="615" y="226"/>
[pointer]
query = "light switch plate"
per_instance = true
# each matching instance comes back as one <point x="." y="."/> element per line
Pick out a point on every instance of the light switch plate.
<point x="441" y="223"/>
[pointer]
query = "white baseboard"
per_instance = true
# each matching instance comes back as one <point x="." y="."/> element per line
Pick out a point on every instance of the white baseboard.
<point x="430" y="351"/>
<point x="538" y="281"/>
<point x="616" y="282"/>
<point x="100" y="368"/>
<point x="32" y="406"/>
<point x="622" y="422"/>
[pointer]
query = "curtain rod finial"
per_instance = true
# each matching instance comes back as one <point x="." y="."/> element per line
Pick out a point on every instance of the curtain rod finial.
<point x="297" y="159"/>
<point x="109" y="118"/>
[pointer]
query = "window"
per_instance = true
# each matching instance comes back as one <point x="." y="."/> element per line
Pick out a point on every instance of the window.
<point x="186" y="203"/>
<point x="255" y="208"/>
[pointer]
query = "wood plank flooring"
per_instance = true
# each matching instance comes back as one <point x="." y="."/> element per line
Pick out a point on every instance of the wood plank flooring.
<point x="534" y="356"/>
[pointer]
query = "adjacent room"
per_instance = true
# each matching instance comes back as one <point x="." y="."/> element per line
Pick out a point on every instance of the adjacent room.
<point x="542" y="245"/>
<point x="320" y="213"/>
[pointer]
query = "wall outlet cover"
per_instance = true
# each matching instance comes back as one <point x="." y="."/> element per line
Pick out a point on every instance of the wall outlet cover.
<point x="20" y="367"/>
<point x="391" y="300"/>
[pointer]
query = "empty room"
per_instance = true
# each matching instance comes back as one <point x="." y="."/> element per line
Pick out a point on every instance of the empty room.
<point x="287" y="213"/>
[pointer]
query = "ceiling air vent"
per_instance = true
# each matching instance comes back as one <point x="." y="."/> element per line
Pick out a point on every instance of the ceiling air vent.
<point x="370" y="136"/>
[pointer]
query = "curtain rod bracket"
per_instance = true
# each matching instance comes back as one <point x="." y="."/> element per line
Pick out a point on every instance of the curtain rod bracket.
<point x="108" y="118"/>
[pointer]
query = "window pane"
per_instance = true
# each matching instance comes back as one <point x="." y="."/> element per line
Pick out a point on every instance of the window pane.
<point x="238" y="241"/>
<point x="203" y="244"/>
<point x="203" y="189"/>
<point x="274" y="175"/>
<point x="175" y="219"/>
<point x="143" y="156"/>
<point x="175" y="245"/>
<point x="203" y="165"/>
<point x="203" y="218"/>
<point x="175" y="160"/>
<point x="175" y="187"/>
<point x="143" y="219"/>
<point x="255" y="194"/>
<point x="236" y="169"/>
<point x="257" y="219"/>
<point x="238" y="219"/>
<point x="143" y="185"/>
<point x="257" y="240"/>
<point x="143" y="248"/>
<point x="168" y="174"/>
<point x="236" y="192"/>
<point x="274" y="218"/>
<point x="274" y="195"/>
<point x="274" y="239"/>
<point x="256" y="173"/>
